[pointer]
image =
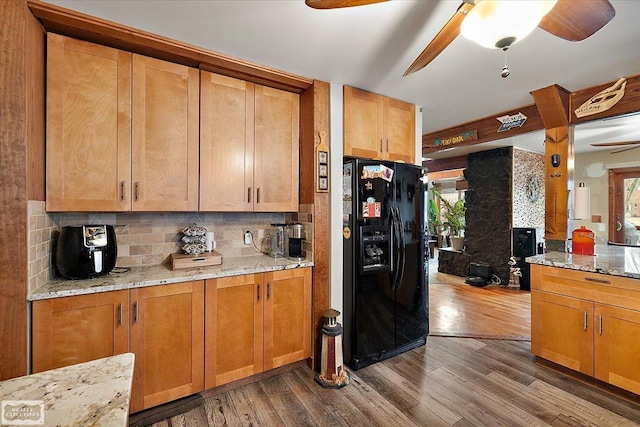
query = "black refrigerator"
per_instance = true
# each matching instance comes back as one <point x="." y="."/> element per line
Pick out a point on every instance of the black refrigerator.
<point x="386" y="299"/>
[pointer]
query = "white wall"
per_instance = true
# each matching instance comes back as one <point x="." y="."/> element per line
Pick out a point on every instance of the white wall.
<point x="335" y="262"/>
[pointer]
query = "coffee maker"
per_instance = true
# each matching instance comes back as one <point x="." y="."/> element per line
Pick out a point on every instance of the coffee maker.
<point x="295" y="235"/>
<point x="274" y="242"/>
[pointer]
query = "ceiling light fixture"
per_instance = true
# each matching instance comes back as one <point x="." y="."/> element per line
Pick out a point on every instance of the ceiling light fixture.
<point x="498" y="24"/>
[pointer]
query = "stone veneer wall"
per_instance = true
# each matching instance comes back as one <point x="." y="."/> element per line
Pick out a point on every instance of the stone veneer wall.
<point x="528" y="166"/>
<point x="489" y="201"/>
<point x="150" y="238"/>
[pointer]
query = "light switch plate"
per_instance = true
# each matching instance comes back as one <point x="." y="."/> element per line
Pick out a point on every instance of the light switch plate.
<point x="596" y="218"/>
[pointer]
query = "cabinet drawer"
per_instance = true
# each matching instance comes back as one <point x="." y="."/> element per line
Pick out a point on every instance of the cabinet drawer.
<point x="607" y="289"/>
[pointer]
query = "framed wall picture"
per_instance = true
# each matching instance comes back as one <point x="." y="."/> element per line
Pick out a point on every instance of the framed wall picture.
<point x="322" y="164"/>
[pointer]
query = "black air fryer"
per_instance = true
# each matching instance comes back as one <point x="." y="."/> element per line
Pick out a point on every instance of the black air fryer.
<point x="86" y="251"/>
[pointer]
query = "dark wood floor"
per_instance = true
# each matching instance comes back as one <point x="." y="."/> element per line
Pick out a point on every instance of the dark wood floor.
<point x="460" y="378"/>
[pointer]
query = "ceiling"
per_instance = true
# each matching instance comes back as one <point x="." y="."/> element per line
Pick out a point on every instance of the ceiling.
<point x="371" y="46"/>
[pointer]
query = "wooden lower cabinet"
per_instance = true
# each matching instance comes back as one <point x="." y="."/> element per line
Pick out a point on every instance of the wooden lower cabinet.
<point x="77" y="329"/>
<point x="167" y="326"/>
<point x="256" y="322"/>
<point x="587" y="322"/>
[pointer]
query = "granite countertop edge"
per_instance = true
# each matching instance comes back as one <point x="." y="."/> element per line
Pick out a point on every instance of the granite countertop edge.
<point x="609" y="260"/>
<point x="162" y="274"/>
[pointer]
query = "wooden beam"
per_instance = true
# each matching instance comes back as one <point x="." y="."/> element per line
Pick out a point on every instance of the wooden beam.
<point x="85" y="27"/>
<point x="14" y="257"/>
<point x="629" y="103"/>
<point x="487" y="129"/>
<point x="558" y="182"/>
<point x="553" y="105"/>
<point x="437" y="165"/>
<point x="314" y="116"/>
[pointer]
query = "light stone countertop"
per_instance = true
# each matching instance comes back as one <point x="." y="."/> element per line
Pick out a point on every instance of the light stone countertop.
<point x="162" y="275"/>
<point x="613" y="260"/>
<point x="92" y="393"/>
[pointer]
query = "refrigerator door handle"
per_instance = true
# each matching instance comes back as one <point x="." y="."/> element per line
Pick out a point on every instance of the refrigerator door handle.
<point x="392" y="239"/>
<point x="397" y="235"/>
<point x="401" y="251"/>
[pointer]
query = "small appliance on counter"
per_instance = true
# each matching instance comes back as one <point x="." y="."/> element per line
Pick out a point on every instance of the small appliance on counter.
<point x="583" y="241"/>
<point x="295" y="236"/>
<point x="274" y="242"/>
<point x="86" y="251"/>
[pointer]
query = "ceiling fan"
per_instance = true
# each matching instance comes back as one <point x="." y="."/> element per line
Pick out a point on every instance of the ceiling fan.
<point x="567" y="19"/>
<point x="626" y="146"/>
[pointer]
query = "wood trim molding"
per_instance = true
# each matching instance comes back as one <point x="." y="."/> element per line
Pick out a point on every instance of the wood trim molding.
<point x="85" y="27"/>
<point x="487" y="128"/>
<point x="437" y="165"/>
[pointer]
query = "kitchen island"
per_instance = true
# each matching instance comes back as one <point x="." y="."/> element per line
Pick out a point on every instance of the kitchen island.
<point x="91" y="393"/>
<point x="585" y="313"/>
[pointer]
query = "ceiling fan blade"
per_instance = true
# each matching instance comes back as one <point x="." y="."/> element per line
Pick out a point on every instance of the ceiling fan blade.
<point x="576" y="20"/>
<point x="336" y="4"/>
<point x="447" y="34"/>
<point x="614" y="144"/>
<point x="621" y="150"/>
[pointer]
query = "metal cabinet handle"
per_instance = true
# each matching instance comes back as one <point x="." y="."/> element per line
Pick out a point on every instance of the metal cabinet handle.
<point x="135" y="312"/>
<point x="258" y="195"/>
<point x="268" y="291"/>
<point x="387" y="145"/>
<point x="120" y="314"/>
<point x="585" y="321"/>
<point x="380" y="144"/>
<point x="137" y="191"/>
<point x="249" y="195"/>
<point x="596" y="280"/>
<point x="600" y="324"/>
<point x="122" y="190"/>
<point x="258" y="292"/>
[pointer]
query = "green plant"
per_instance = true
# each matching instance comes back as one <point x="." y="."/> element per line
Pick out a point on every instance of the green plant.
<point x="433" y="213"/>
<point x="453" y="213"/>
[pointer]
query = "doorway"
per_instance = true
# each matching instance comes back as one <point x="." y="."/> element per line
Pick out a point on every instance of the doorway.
<point x="624" y="206"/>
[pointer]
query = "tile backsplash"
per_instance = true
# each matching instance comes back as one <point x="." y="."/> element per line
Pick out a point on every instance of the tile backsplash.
<point x="150" y="238"/>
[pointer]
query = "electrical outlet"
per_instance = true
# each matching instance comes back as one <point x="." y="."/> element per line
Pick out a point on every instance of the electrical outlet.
<point x="247" y="237"/>
<point x="596" y="218"/>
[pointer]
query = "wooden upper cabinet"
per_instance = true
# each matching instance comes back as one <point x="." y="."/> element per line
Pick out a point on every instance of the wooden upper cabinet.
<point x="226" y="143"/>
<point x="78" y="329"/>
<point x="165" y="136"/>
<point x="276" y="163"/>
<point x="363" y="123"/>
<point x="378" y="127"/>
<point x="400" y="130"/>
<point x="167" y="337"/>
<point x="249" y="146"/>
<point x="88" y="126"/>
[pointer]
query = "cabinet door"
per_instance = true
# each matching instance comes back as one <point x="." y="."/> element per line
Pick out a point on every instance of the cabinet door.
<point x="167" y="337"/>
<point x="78" y="329"/>
<point x="165" y="133"/>
<point x="277" y="158"/>
<point x="562" y="330"/>
<point x="233" y="332"/>
<point x="617" y="347"/>
<point x="226" y="143"/>
<point x="363" y="118"/>
<point x="88" y="126"/>
<point x="399" y="131"/>
<point x="287" y="317"/>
